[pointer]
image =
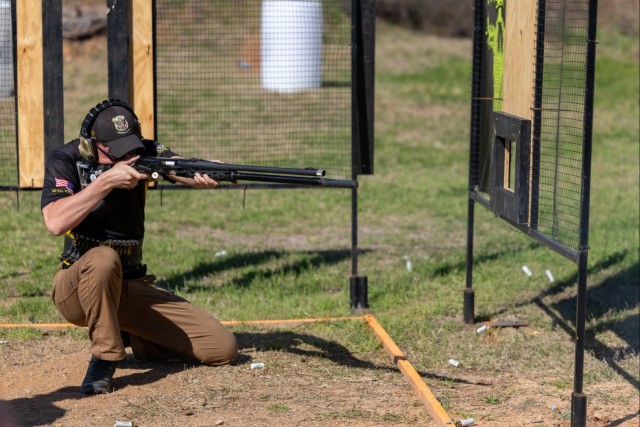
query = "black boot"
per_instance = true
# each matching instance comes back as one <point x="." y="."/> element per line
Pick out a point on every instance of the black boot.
<point x="98" y="377"/>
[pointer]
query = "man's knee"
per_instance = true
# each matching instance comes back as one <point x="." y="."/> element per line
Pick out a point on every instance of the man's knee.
<point x="225" y="352"/>
<point x="231" y="350"/>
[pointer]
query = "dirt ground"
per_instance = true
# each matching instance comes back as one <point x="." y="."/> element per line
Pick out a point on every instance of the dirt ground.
<point x="306" y="381"/>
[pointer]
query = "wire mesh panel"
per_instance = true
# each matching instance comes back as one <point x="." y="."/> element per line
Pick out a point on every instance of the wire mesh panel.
<point x="255" y="82"/>
<point x="8" y="148"/>
<point x="481" y="102"/>
<point x="561" y="127"/>
<point x="552" y="98"/>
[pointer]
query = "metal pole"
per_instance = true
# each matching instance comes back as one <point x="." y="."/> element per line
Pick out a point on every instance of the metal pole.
<point x="358" y="286"/>
<point x="354" y="232"/>
<point x="537" y="117"/>
<point x="578" y="398"/>
<point x="53" y="102"/>
<point x="474" y="152"/>
<point x="469" y="296"/>
<point x="118" y="50"/>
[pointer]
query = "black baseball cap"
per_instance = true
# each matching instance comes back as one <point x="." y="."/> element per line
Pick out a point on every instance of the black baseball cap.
<point x="117" y="128"/>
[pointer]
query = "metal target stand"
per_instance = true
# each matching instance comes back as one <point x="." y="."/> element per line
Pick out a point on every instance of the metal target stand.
<point x="496" y="131"/>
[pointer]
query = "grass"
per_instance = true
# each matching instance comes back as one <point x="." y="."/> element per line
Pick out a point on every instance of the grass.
<point x="286" y="254"/>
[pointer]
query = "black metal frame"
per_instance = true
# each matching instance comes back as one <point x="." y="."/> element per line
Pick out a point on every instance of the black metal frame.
<point x="362" y="91"/>
<point x="504" y="208"/>
<point x="53" y="101"/>
<point x="474" y="155"/>
<point x="118" y="50"/>
<point x="578" y="398"/>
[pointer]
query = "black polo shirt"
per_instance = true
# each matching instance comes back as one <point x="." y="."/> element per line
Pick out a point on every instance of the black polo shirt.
<point x="120" y="215"/>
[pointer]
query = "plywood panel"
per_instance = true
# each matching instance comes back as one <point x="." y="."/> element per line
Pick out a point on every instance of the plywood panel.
<point x="30" y="93"/>
<point x="519" y="66"/>
<point x="519" y="57"/>
<point x="142" y="65"/>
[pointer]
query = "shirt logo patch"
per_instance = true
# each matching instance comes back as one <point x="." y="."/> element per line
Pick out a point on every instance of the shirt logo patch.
<point x="65" y="185"/>
<point x="120" y="124"/>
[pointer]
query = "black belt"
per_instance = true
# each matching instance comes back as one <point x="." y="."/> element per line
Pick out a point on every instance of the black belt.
<point x="129" y="250"/>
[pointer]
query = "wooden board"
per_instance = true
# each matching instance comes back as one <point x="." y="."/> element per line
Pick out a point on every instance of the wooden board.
<point x="519" y="66"/>
<point x="519" y="58"/>
<point x="141" y="64"/>
<point x="30" y="92"/>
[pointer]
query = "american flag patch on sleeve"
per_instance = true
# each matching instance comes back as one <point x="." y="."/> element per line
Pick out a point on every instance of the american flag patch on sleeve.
<point x="65" y="185"/>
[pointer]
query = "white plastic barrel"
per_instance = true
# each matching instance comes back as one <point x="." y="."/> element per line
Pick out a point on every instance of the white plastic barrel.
<point x="291" y="45"/>
<point x="6" y="50"/>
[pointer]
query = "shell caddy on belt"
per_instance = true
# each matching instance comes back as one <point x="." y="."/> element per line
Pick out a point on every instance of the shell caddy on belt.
<point x="130" y="251"/>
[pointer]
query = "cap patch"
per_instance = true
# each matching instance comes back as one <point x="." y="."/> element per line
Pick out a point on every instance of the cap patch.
<point x="120" y="123"/>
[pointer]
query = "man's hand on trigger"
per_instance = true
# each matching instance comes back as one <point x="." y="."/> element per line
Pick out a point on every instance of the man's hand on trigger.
<point x="124" y="175"/>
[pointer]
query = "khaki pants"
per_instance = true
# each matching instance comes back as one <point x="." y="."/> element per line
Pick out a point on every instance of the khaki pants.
<point x="162" y="325"/>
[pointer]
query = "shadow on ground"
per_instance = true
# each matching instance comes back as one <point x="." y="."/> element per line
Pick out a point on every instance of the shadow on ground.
<point x="605" y="303"/>
<point x="310" y="261"/>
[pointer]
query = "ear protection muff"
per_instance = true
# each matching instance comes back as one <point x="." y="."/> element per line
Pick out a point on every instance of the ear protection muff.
<point x="87" y="146"/>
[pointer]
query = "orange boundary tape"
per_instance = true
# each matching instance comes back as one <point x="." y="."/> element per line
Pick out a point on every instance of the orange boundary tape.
<point x="45" y="326"/>
<point x="287" y="322"/>
<point x="284" y="322"/>
<point x="436" y="410"/>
